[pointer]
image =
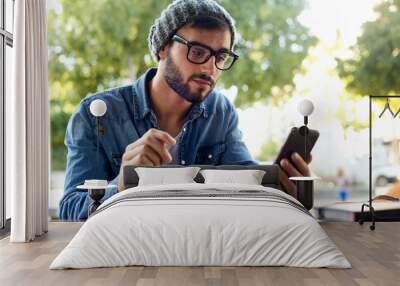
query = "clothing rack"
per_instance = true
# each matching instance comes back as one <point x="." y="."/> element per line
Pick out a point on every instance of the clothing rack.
<point x="369" y="205"/>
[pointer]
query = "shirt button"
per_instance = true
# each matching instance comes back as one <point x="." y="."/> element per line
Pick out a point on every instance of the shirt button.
<point x="209" y="156"/>
<point x="183" y="162"/>
<point x="184" y="129"/>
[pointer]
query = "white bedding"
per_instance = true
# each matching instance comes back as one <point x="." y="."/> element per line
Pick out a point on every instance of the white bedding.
<point x="222" y="225"/>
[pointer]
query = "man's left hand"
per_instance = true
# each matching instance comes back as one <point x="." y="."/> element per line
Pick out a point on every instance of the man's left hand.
<point x="300" y="169"/>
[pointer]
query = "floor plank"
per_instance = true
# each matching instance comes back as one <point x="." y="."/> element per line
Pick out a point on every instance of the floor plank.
<point x="374" y="255"/>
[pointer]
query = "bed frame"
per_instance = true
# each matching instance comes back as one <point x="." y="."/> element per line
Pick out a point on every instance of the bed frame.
<point x="270" y="179"/>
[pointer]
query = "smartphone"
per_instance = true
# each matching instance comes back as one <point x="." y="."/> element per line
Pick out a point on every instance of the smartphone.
<point x="295" y="142"/>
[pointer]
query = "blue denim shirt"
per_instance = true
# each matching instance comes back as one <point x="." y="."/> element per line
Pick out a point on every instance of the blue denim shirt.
<point x="210" y="135"/>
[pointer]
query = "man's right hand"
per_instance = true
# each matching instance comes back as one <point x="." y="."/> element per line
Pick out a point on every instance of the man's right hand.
<point x="151" y="149"/>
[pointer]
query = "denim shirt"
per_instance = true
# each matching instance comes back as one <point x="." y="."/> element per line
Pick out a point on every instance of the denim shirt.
<point x="210" y="136"/>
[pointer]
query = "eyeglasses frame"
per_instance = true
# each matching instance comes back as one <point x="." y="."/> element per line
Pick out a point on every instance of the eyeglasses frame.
<point x="189" y="45"/>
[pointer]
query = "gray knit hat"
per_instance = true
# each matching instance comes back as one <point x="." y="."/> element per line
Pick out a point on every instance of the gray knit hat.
<point x="178" y="14"/>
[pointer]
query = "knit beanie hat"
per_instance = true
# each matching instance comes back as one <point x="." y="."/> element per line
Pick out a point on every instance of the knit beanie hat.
<point x="178" y="14"/>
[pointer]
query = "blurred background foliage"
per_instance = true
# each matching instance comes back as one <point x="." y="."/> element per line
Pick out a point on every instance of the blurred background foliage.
<point x="373" y="67"/>
<point x="106" y="45"/>
<point x="99" y="44"/>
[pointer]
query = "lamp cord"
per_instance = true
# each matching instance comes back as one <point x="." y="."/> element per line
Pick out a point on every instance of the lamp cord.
<point x="305" y="137"/>
<point x="97" y="139"/>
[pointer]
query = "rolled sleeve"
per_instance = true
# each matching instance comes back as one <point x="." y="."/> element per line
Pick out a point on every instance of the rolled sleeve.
<point x="82" y="164"/>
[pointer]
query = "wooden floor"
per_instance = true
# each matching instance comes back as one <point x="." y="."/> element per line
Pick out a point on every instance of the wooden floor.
<point x="374" y="255"/>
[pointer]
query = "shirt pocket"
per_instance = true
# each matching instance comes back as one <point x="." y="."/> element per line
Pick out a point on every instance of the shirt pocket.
<point x="210" y="155"/>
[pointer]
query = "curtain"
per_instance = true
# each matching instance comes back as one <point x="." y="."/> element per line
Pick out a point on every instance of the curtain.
<point x="27" y="118"/>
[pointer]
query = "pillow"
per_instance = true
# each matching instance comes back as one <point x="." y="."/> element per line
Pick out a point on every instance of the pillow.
<point x="162" y="176"/>
<point x="249" y="177"/>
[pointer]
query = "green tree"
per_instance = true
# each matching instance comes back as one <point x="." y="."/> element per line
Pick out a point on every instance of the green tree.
<point x="272" y="46"/>
<point x="98" y="44"/>
<point x="269" y="151"/>
<point x="374" y="67"/>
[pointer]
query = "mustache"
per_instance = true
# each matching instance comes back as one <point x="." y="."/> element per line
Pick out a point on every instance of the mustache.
<point x="204" y="77"/>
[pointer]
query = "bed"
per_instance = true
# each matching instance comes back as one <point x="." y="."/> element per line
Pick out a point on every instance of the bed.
<point x="201" y="224"/>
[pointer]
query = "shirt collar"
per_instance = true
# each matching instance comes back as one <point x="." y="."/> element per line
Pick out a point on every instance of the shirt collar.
<point x="142" y="104"/>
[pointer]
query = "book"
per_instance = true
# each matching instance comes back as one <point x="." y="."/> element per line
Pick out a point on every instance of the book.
<point x="351" y="211"/>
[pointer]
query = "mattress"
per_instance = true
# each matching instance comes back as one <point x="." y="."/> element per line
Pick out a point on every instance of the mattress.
<point x="201" y="225"/>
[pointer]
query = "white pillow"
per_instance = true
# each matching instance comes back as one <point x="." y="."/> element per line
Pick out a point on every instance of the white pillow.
<point x="162" y="176"/>
<point x="249" y="177"/>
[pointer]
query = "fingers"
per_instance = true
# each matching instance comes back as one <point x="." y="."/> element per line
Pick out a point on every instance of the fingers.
<point x="154" y="139"/>
<point x="161" y="149"/>
<point x="301" y="165"/>
<point x="288" y="186"/>
<point x="289" y="168"/>
<point x="299" y="170"/>
<point x="163" y="136"/>
<point x="141" y="154"/>
<point x="153" y="133"/>
<point x="149" y="150"/>
<point x="141" y="159"/>
<point x="153" y="147"/>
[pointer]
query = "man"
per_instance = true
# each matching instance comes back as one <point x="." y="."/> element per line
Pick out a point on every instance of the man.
<point x="170" y="115"/>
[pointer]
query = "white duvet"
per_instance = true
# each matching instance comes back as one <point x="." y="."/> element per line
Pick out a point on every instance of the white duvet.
<point x="269" y="228"/>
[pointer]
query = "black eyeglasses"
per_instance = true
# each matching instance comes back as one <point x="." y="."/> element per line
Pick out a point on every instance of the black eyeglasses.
<point x="199" y="54"/>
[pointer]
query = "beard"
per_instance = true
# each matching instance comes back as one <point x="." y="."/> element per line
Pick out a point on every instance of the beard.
<point x="174" y="79"/>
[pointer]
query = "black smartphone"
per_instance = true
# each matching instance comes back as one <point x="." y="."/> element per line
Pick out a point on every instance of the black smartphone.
<point x="295" y="142"/>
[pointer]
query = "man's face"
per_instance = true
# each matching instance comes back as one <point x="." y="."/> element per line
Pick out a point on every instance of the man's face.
<point x="193" y="82"/>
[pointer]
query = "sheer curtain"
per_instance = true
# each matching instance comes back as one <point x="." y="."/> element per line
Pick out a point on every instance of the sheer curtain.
<point x="27" y="120"/>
